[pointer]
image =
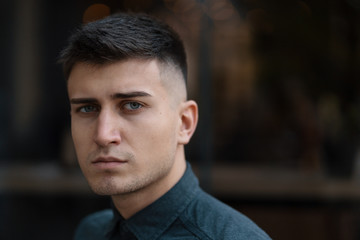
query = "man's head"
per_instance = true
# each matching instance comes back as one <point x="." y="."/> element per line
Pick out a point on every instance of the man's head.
<point x="129" y="112"/>
<point x="124" y="36"/>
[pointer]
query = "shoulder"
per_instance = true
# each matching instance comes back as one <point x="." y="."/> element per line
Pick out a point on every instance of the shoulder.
<point x="216" y="220"/>
<point x="94" y="226"/>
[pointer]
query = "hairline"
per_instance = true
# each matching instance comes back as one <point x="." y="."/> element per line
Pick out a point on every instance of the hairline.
<point x="166" y="68"/>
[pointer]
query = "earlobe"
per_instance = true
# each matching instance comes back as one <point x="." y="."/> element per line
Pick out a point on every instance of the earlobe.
<point x="189" y="119"/>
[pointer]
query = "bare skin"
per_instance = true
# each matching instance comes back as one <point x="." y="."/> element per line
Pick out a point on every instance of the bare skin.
<point x="130" y="122"/>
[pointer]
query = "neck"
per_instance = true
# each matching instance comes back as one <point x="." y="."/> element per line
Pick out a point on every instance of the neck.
<point x="130" y="203"/>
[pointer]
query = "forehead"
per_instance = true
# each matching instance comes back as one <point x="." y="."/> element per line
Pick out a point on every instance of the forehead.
<point x="129" y="75"/>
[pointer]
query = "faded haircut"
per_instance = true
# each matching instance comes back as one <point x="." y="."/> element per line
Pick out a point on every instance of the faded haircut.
<point x="124" y="36"/>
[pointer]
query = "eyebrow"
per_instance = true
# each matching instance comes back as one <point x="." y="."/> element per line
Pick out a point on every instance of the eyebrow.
<point x="113" y="96"/>
<point x="130" y="95"/>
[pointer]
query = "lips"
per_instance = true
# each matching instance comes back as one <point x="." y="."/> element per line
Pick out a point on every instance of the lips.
<point x="108" y="162"/>
<point x="108" y="159"/>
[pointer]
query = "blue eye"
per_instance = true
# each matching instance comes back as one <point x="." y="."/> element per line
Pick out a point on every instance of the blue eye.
<point x="87" y="109"/>
<point x="131" y="106"/>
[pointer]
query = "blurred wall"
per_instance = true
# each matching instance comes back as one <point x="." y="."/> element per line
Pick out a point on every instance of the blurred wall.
<point x="278" y="87"/>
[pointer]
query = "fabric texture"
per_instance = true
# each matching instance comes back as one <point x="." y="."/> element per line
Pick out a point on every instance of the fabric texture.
<point x="185" y="212"/>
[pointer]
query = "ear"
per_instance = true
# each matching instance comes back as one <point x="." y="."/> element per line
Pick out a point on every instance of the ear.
<point x="188" y="121"/>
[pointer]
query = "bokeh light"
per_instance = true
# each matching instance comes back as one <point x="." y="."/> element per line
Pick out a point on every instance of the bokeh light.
<point x="95" y="12"/>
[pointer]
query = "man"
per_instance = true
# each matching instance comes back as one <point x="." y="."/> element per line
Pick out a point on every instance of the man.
<point x="130" y="120"/>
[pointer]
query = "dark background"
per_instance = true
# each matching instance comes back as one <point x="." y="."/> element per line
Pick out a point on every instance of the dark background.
<point x="278" y="87"/>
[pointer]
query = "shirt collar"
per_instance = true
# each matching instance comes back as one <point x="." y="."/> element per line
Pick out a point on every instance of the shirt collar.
<point x="153" y="220"/>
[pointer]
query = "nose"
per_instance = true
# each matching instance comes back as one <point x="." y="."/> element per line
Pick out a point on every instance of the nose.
<point x="107" y="129"/>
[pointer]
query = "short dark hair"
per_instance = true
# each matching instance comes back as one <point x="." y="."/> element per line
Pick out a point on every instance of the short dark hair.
<point x="123" y="36"/>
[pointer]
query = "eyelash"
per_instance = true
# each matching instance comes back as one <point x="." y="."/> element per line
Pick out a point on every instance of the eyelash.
<point x="123" y="108"/>
<point x="81" y="108"/>
<point x="139" y="106"/>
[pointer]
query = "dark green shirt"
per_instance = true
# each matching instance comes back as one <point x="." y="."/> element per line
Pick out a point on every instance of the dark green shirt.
<point x="185" y="212"/>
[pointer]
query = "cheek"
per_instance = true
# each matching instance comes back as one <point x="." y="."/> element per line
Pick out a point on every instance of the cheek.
<point x="80" y="137"/>
<point x="163" y="132"/>
<point x="74" y="132"/>
<point x="154" y="134"/>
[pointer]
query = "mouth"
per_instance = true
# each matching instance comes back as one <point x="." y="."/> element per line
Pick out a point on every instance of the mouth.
<point x="108" y="162"/>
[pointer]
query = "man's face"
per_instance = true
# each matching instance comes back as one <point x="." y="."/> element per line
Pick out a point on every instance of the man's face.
<point x="124" y="125"/>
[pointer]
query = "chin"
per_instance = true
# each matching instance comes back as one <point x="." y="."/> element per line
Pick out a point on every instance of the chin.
<point x="109" y="187"/>
<point x="104" y="186"/>
<point x="105" y="190"/>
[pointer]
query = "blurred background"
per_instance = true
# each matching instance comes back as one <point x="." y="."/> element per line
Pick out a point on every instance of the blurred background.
<point x="278" y="87"/>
